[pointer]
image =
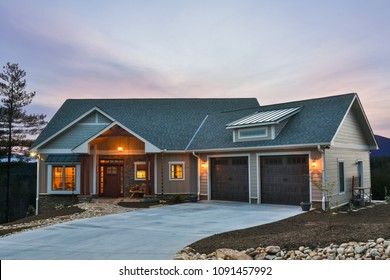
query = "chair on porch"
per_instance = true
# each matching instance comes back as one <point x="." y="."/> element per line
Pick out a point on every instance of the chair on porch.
<point x="138" y="190"/>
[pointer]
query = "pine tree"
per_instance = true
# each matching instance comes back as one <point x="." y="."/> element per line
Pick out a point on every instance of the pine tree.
<point x="16" y="125"/>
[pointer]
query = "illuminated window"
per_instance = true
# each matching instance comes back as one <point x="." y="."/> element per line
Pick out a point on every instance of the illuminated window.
<point x="176" y="171"/>
<point x="112" y="170"/>
<point x="140" y="171"/>
<point x="63" y="178"/>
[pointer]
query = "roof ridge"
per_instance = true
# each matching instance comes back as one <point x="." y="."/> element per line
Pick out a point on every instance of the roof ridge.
<point x="310" y="99"/>
<point x="241" y="109"/>
<point x="160" y="99"/>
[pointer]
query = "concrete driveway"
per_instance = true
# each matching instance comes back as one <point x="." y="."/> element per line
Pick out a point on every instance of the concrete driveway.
<point x="148" y="234"/>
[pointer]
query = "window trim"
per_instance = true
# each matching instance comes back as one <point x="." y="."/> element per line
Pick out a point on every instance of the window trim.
<point x="183" y="167"/>
<point x="240" y="137"/>
<point x="136" y="169"/>
<point x="339" y="178"/>
<point x="50" y="178"/>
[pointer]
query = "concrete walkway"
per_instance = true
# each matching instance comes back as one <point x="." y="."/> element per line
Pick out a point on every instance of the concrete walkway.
<point x="156" y="233"/>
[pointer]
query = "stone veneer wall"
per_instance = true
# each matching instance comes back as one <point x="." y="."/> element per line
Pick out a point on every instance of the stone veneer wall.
<point x="51" y="201"/>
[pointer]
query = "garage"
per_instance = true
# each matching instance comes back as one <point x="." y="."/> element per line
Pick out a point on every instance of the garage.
<point x="284" y="179"/>
<point x="229" y="179"/>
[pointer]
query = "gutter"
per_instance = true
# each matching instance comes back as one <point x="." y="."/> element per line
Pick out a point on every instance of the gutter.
<point x="261" y="148"/>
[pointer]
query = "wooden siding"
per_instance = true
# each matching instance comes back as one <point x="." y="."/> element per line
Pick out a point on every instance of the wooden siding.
<point x="350" y="146"/>
<point x="74" y="136"/>
<point x="349" y="157"/>
<point x="316" y="175"/>
<point x="351" y="131"/>
<point x="42" y="175"/>
<point x="253" y="176"/>
<point x="188" y="185"/>
<point x="95" y="118"/>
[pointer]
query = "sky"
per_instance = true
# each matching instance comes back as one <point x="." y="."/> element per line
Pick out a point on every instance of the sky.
<point x="275" y="50"/>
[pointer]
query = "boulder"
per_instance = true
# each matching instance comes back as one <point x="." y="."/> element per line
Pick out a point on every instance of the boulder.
<point x="230" y="254"/>
<point x="272" y="250"/>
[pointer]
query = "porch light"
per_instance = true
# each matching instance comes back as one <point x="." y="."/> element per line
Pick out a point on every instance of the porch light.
<point x="120" y="148"/>
<point x="33" y="154"/>
<point x="314" y="164"/>
<point x="204" y="164"/>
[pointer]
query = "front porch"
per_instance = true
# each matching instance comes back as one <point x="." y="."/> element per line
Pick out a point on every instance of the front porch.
<point x="116" y="162"/>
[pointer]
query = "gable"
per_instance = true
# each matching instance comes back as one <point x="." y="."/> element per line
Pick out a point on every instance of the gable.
<point x="354" y="130"/>
<point x="95" y="118"/>
<point x="77" y="133"/>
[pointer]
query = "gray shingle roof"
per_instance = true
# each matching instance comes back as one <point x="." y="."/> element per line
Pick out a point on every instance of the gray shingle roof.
<point x="316" y="123"/>
<point x="166" y="123"/>
<point x="200" y="124"/>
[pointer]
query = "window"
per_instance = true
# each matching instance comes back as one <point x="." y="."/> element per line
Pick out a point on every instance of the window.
<point x="258" y="132"/>
<point x="341" y="177"/>
<point x="63" y="178"/>
<point x="176" y="171"/>
<point x="360" y="172"/>
<point x="140" y="171"/>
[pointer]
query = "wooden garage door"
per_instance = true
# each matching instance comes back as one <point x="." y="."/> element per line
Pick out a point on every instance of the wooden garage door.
<point x="284" y="179"/>
<point x="229" y="179"/>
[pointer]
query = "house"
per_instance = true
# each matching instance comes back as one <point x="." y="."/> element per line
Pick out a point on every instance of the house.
<point x="219" y="149"/>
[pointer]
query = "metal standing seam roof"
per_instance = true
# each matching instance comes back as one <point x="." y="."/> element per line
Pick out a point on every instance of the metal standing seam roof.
<point x="63" y="158"/>
<point x="264" y="118"/>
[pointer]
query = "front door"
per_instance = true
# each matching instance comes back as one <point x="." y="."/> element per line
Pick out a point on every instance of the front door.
<point x="111" y="178"/>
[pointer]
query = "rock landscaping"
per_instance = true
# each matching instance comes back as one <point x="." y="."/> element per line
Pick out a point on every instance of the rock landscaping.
<point x="372" y="250"/>
<point x="338" y="234"/>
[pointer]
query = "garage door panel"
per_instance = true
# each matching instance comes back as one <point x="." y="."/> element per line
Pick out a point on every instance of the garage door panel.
<point x="284" y="180"/>
<point x="229" y="179"/>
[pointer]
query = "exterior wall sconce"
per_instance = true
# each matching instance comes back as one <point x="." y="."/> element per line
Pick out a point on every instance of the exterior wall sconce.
<point x="120" y="148"/>
<point x="204" y="164"/>
<point x="314" y="164"/>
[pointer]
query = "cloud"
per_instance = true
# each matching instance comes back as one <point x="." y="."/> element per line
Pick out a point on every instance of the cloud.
<point x="275" y="51"/>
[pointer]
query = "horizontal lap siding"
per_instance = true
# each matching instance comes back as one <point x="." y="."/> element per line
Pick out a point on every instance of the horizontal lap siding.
<point x="253" y="176"/>
<point x="351" y="132"/>
<point x="349" y="157"/>
<point x="349" y="146"/>
<point x="186" y="186"/>
<point x="74" y="136"/>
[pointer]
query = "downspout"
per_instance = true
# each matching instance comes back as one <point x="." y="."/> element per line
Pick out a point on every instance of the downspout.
<point x="199" y="159"/>
<point x="324" y="177"/>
